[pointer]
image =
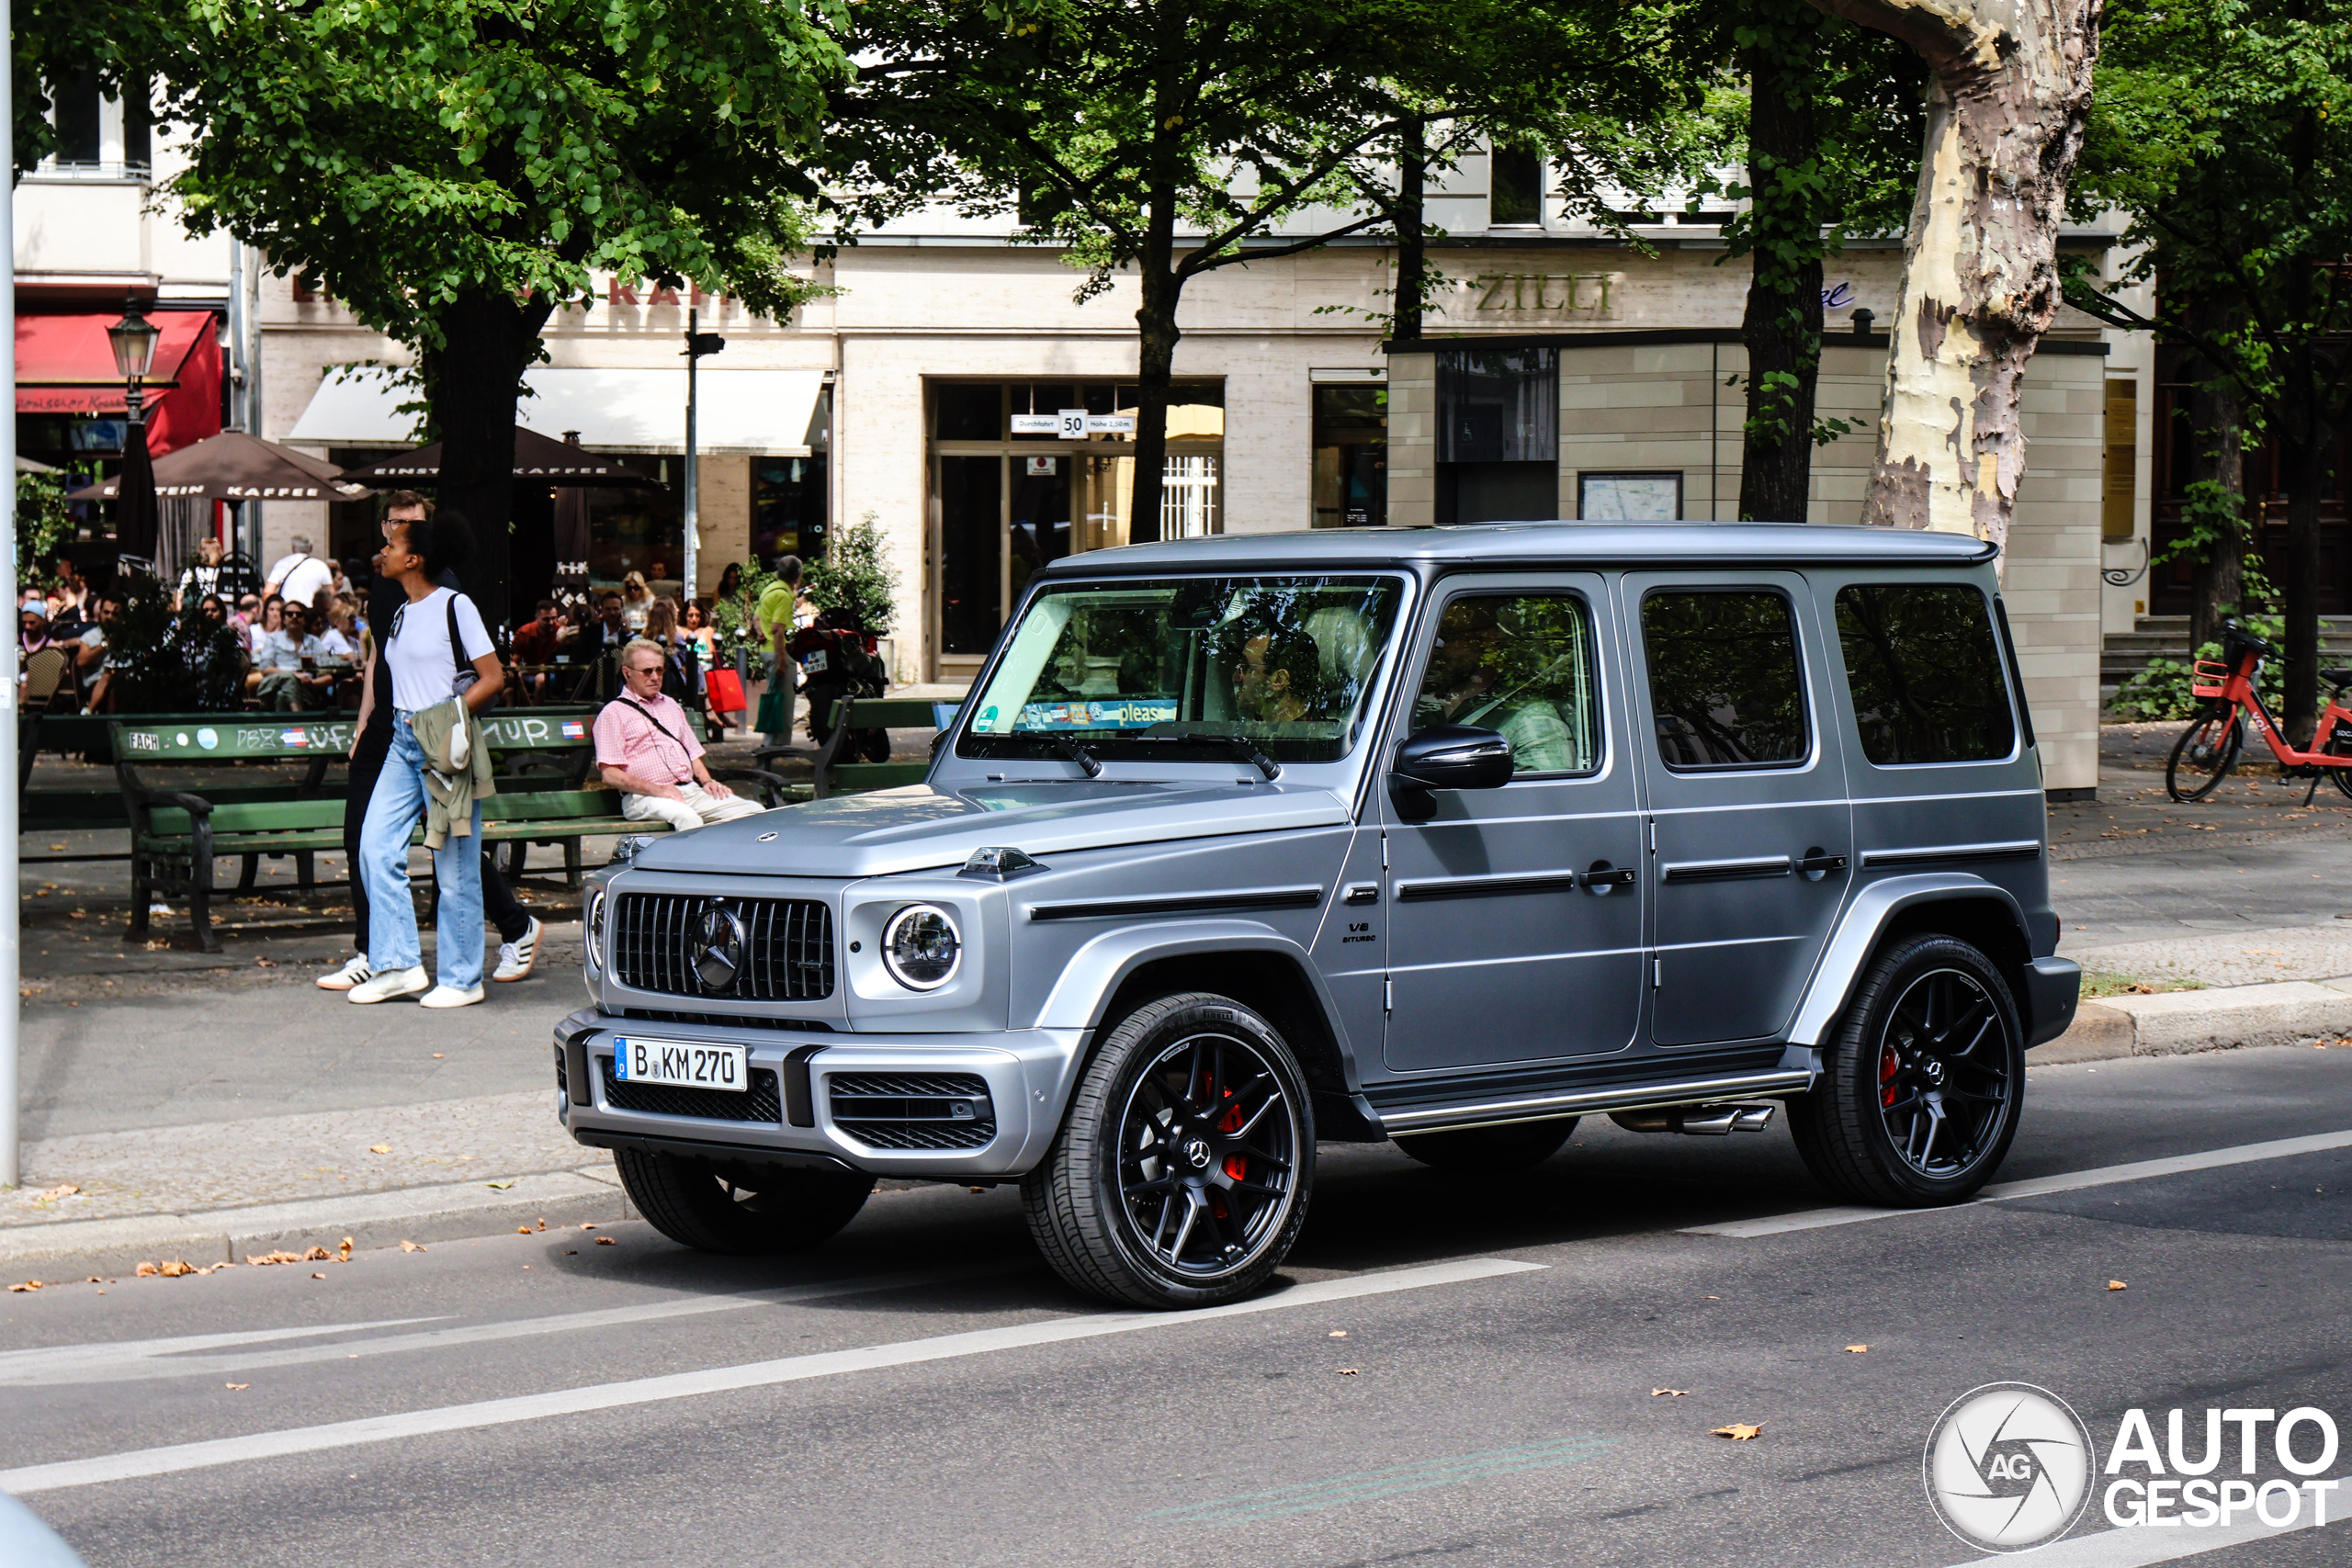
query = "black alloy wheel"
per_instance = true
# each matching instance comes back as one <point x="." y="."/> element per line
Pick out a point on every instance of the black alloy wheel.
<point x="2205" y="753"/>
<point x="1182" y="1176"/>
<point x="2339" y="744"/>
<point x="1920" y="1092"/>
<point x="746" y="1210"/>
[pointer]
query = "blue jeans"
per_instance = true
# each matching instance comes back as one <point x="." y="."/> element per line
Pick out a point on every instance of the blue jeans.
<point x="392" y="812"/>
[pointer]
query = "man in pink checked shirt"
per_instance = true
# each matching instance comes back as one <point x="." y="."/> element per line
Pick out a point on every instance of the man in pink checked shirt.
<point x="646" y="749"/>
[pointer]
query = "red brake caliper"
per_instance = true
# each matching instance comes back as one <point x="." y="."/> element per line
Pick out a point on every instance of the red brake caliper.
<point x="1887" y="1064"/>
<point x="1235" y="1165"/>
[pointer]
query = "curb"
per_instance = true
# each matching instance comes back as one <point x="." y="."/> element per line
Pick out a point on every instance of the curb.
<point x="2284" y="1012"/>
<point x="371" y="1219"/>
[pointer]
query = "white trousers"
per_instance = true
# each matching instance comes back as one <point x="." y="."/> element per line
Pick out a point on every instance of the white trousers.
<point x="699" y="807"/>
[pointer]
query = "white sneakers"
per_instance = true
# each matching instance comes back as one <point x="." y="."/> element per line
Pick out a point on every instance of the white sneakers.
<point x="449" y="997"/>
<point x="391" y="985"/>
<point x="353" y="972"/>
<point x="516" y="958"/>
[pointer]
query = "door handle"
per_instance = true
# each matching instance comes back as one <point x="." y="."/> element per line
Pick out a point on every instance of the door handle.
<point x="1602" y="877"/>
<point x="1816" y="864"/>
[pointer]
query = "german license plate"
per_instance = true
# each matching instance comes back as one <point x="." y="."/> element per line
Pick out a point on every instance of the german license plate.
<point x="682" y="1064"/>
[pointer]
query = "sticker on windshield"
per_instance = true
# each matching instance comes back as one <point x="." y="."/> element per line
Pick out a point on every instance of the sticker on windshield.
<point x="1131" y="713"/>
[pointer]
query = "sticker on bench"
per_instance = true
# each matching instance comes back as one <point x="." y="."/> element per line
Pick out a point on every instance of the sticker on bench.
<point x="144" y="741"/>
<point x="574" y="730"/>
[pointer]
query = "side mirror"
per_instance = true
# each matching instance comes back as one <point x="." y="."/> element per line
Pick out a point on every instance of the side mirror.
<point x="1452" y="756"/>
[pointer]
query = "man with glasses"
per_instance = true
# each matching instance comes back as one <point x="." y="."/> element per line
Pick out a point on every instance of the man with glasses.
<point x="645" y="750"/>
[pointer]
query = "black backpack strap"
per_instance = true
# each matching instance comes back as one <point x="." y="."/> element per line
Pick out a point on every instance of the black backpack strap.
<point x="685" y="750"/>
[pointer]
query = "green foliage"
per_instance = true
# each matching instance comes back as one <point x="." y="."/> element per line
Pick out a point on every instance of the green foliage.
<point x="410" y="154"/>
<point x="60" y="41"/>
<point x="43" y="523"/>
<point x="853" y="576"/>
<point x="2162" y="691"/>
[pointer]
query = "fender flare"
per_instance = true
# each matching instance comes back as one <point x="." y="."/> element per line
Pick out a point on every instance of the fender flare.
<point x="1865" y="920"/>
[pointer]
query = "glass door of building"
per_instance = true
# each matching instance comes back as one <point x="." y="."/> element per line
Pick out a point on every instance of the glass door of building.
<point x="1010" y="491"/>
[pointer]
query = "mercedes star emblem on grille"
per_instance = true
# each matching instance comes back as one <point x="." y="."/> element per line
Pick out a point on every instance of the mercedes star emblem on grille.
<point x="716" y="950"/>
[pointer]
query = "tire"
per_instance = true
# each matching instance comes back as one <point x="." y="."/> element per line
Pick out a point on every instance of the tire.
<point x="1921" y="1090"/>
<point x="1506" y="1150"/>
<point x="2204" y="754"/>
<point x="1181" y="1176"/>
<point x="741" y="1211"/>
<point x="2339" y="744"/>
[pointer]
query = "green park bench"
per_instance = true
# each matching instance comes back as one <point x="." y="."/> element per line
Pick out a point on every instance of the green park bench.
<point x="176" y="836"/>
<point x="836" y="776"/>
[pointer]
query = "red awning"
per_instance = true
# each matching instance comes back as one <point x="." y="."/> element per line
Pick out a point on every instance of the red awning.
<point x="65" y="365"/>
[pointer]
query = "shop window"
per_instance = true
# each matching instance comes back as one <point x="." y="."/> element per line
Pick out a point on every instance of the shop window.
<point x="968" y="411"/>
<point x="1726" y="691"/>
<point x="137" y="127"/>
<point x="1924" y="672"/>
<point x="1499" y="405"/>
<point x="1515" y="187"/>
<point x="789" y="515"/>
<point x="1188" y="496"/>
<point x="1351" y="456"/>
<point x="78" y="141"/>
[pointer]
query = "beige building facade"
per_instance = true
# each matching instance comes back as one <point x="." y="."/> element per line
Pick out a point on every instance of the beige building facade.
<point x="950" y="388"/>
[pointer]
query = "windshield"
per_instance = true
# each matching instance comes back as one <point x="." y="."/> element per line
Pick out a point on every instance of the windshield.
<point x="1137" y="669"/>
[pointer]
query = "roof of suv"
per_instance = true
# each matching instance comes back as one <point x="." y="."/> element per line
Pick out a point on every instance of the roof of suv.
<point x="1546" y="544"/>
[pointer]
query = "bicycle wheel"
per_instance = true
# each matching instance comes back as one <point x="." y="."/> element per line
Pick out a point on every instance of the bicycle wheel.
<point x="2204" y="754"/>
<point x="2339" y="744"/>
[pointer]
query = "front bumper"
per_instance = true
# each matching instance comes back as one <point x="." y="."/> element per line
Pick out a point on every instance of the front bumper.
<point x="1027" y="1074"/>
<point x="2052" y="986"/>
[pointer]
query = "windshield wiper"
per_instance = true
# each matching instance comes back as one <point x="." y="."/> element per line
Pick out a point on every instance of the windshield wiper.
<point x="1241" y="745"/>
<point x="1078" y="754"/>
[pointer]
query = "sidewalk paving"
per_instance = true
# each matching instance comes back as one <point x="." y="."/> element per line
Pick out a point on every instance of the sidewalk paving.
<point x="207" y="1103"/>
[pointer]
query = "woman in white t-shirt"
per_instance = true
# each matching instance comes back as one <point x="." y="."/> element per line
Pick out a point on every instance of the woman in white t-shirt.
<point x="425" y="670"/>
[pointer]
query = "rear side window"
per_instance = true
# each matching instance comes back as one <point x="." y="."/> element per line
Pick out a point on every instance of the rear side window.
<point x="1926" y="673"/>
<point x="1725" y="687"/>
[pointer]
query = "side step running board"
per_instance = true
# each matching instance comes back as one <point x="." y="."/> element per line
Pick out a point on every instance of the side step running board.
<point x="1595" y="1101"/>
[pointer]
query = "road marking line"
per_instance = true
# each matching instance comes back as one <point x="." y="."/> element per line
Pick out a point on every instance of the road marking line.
<point x="1364" y="1485"/>
<point x="176" y="1457"/>
<point x="141" y="1359"/>
<point x="2134" y="1546"/>
<point x="2034" y="1187"/>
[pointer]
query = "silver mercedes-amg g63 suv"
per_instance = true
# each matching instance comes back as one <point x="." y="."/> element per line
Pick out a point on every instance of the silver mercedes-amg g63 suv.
<point x="1444" y="836"/>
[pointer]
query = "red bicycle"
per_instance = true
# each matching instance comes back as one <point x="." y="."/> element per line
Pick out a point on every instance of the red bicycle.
<point x="2209" y="749"/>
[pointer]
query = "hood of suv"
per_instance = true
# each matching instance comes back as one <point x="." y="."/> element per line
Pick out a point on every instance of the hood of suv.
<point x="920" y="828"/>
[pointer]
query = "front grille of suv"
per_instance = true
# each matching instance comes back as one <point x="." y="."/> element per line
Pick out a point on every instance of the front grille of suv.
<point x="787" y="948"/>
<point x="912" y="1111"/>
<point x="761" y="1103"/>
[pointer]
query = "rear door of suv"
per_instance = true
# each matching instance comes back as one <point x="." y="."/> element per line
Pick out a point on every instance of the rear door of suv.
<point x="1749" y="833"/>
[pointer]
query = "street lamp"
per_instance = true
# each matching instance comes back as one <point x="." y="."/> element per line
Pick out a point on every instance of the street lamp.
<point x="698" y="344"/>
<point x="134" y="354"/>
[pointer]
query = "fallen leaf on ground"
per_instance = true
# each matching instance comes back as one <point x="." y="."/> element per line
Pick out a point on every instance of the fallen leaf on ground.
<point x="265" y="963"/>
<point x="176" y="1267"/>
<point x="501" y="1186"/>
<point x="28" y="1285"/>
<point x="410" y="1247"/>
<point x="343" y="1253"/>
<point x="240" y="1385"/>
<point x="1669" y="1393"/>
<point x="318" y="1276"/>
<point x="316" y="1254"/>
<point x="522" y="1230"/>
<point x="265" y="1259"/>
<point x="1739" y="1431"/>
<point x="588" y="1227"/>
<point x="1338" y="1334"/>
<point x="379" y="1148"/>
<point x="439" y="1055"/>
<point x="2117" y="1285"/>
<point x="1347" y="1371"/>
<point x="607" y="1241"/>
<point x="543" y="1222"/>
<point x="51" y="1195"/>
<point x="1857" y="1349"/>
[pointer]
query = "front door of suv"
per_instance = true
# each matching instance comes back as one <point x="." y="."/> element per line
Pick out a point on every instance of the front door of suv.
<point x="1744" y="781"/>
<point x="1514" y="934"/>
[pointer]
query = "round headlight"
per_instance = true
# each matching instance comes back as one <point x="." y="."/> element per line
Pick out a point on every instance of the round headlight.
<point x="921" y="947"/>
<point x="594" y="931"/>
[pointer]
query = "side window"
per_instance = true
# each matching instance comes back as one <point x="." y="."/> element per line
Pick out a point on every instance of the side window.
<point x="1520" y="664"/>
<point x="1925" y="672"/>
<point x="1724" y="681"/>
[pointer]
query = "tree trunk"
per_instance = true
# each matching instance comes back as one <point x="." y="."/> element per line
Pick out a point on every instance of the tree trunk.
<point x="1781" y="328"/>
<point x="2305" y="460"/>
<point x="1412" y="243"/>
<point x="1163" y="287"/>
<point x="2006" y="107"/>
<point x="2217" y="459"/>
<point x="487" y="337"/>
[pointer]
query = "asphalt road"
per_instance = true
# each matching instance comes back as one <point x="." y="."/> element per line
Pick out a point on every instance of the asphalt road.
<point x="1491" y="1400"/>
